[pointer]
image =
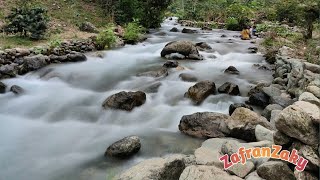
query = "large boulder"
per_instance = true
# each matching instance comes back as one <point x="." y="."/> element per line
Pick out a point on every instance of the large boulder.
<point x="124" y="148"/>
<point x="188" y="31"/>
<point x="205" y="173"/>
<point x="282" y="101"/>
<point x="88" y="27"/>
<point x="263" y="134"/>
<point x="2" y="88"/>
<point x="231" y="70"/>
<point x="233" y="107"/>
<point x="314" y="90"/>
<point x="204" y="125"/>
<point x="296" y="123"/>
<point x="229" y="88"/>
<point x="32" y="63"/>
<point x="162" y="72"/>
<point x="275" y="170"/>
<point x="188" y="77"/>
<point x="200" y="91"/>
<point x="125" y="100"/>
<point x="309" y="97"/>
<point x="243" y="122"/>
<point x="169" y="168"/>
<point x="311" y="109"/>
<point x="185" y="48"/>
<point x="259" y="99"/>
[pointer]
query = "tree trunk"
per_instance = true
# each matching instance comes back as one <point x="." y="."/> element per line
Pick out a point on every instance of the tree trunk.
<point x="309" y="30"/>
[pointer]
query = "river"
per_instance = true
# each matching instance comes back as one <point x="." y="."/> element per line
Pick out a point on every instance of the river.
<point x="58" y="129"/>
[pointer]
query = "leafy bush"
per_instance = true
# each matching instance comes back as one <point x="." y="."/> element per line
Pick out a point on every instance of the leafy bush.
<point x="232" y="24"/>
<point x="132" y="32"/>
<point x="29" y="22"/>
<point x="106" y="38"/>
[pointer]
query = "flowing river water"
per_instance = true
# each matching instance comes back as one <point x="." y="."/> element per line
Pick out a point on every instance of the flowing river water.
<point x="59" y="130"/>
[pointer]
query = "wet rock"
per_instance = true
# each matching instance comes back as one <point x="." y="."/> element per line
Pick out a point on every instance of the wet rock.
<point x="233" y="107"/>
<point x="17" y="89"/>
<point x="253" y="176"/>
<point x="229" y="88"/>
<point x="188" y="77"/>
<point x="174" y="29"/>
<point x="157" y="168"/>
<point x="282" y="101"/>
<point x="281" y="139"/>
<point x="204" y="125"/>
<point x="32" y="63"/>
<point x="76" y="57"/>
<point x="311" y="109"/>
<point x="206" y="172"/>
<point x="272" y="169"/>
<point x="243" y="122"/>
<point x="125" y="100"/>
<point x="314" y="90"/>
<point x="188" y="31"/>
<point x="241" y="170"/>
<point x="171" y="64"/>
<point x="263" y="134"/>
<point x="153" y="88"/>
<point x="2" y="88"/>
<point x="185" y="48"/>
<point x="200" y="91"/>
<point x="304" y="175"/>
<point x="8" y="71"/>
<point x="232" y="70"/>
<point x="259" y="99"/>
<point x="309" y="97"/>
<point x="203" y="46"/>
<point x="124" y="148"/>
<point x="163" y="72"/>
<point x="267" y="111"/>
<point x="88" y="27"/>
<point x="296" y="123"/>
<point x="223" y="36"/>
<point x="253" y="49"/>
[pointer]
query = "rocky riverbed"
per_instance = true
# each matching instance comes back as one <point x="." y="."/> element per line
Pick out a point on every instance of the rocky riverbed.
<point x="147" y="108"/>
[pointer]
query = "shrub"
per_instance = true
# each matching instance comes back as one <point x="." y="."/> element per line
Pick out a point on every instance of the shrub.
<point x="106" y="38"/>
<point x="132" y="32"/>
<point x="232" y="24"/>
<point x="29" y="22"/>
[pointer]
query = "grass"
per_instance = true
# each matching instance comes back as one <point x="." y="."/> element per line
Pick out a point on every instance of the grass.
<point x="8" y="42"/>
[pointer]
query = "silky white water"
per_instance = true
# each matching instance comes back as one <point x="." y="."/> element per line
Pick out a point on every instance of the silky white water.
<point x="58" y="129"/>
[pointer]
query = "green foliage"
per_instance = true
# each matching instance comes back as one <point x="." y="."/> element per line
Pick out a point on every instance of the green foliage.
<point x="232" y="24"/>
<point x="29" y="22"/>
<point x="106" y="38"/>
<point x="132" y="32"/>
<point x="54" y="43"/>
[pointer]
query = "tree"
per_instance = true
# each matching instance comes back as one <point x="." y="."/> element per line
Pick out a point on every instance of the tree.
<point x="29" y="22"/>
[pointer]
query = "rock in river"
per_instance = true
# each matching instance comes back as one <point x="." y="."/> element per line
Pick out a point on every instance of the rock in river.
<point x="188" y="77"/>
<point x="125" y="100"/>
<point x="229" y="88"/>
<point x="2" y="88"/>
<point x="171" y="64"/>
<point x="185" y="48"/>
<point x="199" y="92"/>
<point x="16" y="89"/>
<point x="232" y="70"/>
<point x="124" y="148"/>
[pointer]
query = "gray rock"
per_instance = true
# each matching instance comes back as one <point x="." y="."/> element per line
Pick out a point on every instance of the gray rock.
<point x="233" y="107"/>
<point x="169" y="168"/>
<point x="296" y="123"/>
<point x="163" y="72"/>
<point x="304" y="175"/>
<point x="231" y="70"/>
<point x="311" y="155"/>
<point x="311" y="109"/>
<point x="309" y="97"/>
<point x="88" y="27"/>
<point x="259" y="99"/>
<point x="312" y="67"/>
<point x="125" y="100"/>
<point x="271" y="91"/>
<point x="206" y="173"/>
<point x="32" y="63"/>
<point x="174" y="29"/>
<point x="200" y="91"/>
<point x="203" y="46"/>
<point x="124" y="148"/>
<point x="243" y="122"/>
<point x="188" y="77"/>
<point x="267" y="111"/>
<point x="171" y="64"/>
<point x="2" y="88"/>
<point x="153" y="88"/>
<point x="229" y="88"/>
<point x="314" y="90"/>
<point x="275" y="170"/>
<point x="253" y="176"/>
<point x="203" y="125"/>
<point x="282" y="101"/>
<point x="241" y="170"/>
<point x="185" y="48"/>
<point x="188" y="31"/>
<point x="17" y="89"/>
<point x="281" y="139"/>
<point x="263" y="133"/>
<point x="76" y="57"/>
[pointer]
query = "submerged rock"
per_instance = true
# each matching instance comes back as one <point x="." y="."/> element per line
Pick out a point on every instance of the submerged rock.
<point x="229" y="88"/>
<point x="163" y="72"/>
<point x="17" y="89"/>
<point x="188" y="31"/>
<point x="185" y="48"/>
<point x="188" y="77"/>
<point x="199" y="92"/>
<point x="2" y="88"/>
<point x="125" y="100"/>
<point x="171" y="64"/>
<point x="124" y="148"/>
<point x="232" y="70"/>
<point x="204" y="125"/>
<point x="174" y="29"/>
